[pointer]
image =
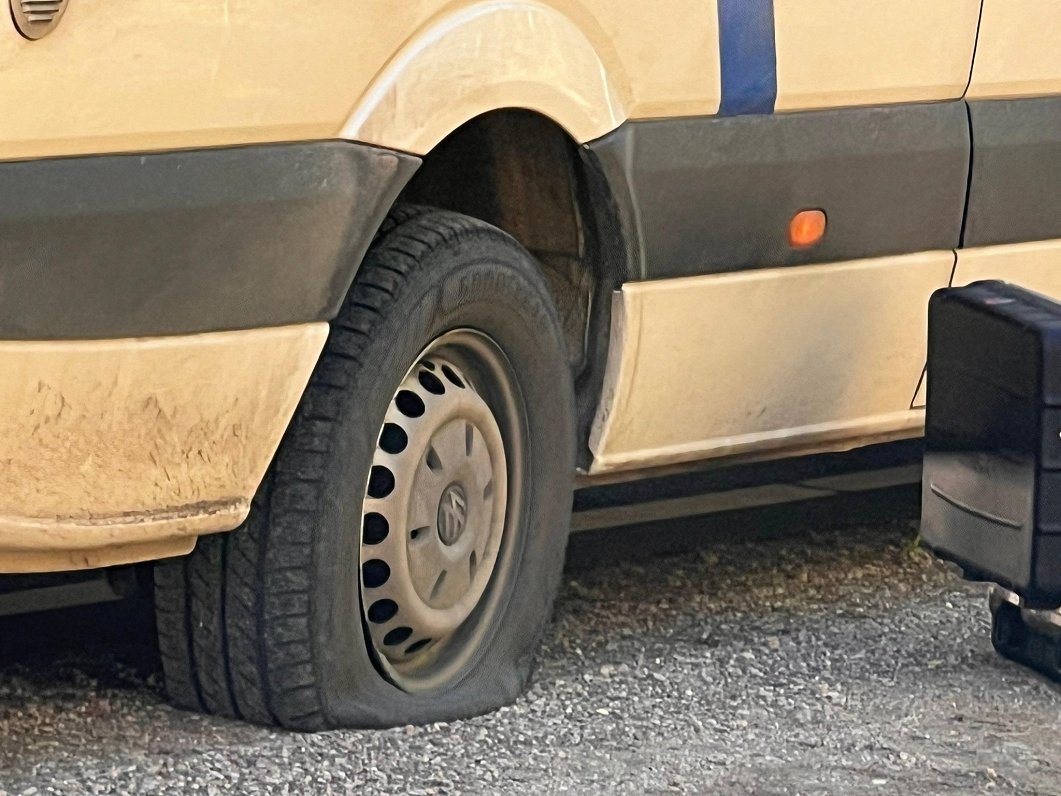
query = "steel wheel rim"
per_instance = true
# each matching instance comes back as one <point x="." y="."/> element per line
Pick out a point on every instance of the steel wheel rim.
<point x="443" y="496"/>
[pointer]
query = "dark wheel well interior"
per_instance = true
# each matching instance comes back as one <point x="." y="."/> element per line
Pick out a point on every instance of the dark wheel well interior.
<point x="523" y="173"/>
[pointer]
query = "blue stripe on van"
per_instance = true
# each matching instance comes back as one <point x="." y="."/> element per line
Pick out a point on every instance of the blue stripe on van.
<point x="749" y="60"/>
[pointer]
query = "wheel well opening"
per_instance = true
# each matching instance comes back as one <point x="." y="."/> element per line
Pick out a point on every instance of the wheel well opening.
<point x="519" y="171"/>
<point x="523" y="173"/>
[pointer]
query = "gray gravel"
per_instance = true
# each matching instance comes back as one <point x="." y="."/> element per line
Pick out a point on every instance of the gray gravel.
<point x="830" y="662"/>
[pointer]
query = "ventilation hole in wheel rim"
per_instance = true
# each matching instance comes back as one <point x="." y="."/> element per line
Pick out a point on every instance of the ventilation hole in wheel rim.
<point x="375" y="573"/>
<point x="409" y="403"/>
<point x="488" y="490"/>
<point x="452" y="376"/>
<point x="380" y="482"/>
<point x="374" y="529"/>
<point x="393" y="438"/>
<point x="469" y="438"/>
<point x="473" y="564"/>
<point x="438" y="584"/>
<point x="427" y="363"/>
<point x="397" y="636"/>
<point x="434" y="463"/>
<point x="416" y="646"/>
<point x="430" y="382"/>
<point x="415" y="533"/>
<point x="382" y="611"/>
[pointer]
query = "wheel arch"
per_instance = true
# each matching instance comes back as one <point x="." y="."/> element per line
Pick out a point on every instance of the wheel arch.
<point x="469" y="61"/>
<point x="522" y="172"/>
<point x="499" y="99"/>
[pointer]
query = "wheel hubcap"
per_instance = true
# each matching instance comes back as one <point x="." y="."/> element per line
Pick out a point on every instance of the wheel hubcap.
<point x="452" y="514"/>
<point x="434" y="514"/>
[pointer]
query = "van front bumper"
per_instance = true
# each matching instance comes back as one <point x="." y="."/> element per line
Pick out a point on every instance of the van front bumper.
<point x="160" y="316"/>
<point x="126" y="450"/>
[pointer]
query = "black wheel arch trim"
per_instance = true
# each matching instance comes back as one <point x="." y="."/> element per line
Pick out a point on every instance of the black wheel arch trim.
<point x="715" y="194"/>
<point x="1015" y="181"/>
<point x="152" y="244"/>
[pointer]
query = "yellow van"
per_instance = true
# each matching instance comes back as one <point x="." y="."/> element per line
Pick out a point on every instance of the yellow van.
<point x="325" y="305"/>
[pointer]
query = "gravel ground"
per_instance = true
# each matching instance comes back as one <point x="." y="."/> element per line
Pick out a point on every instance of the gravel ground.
<point x="832" y="661"/>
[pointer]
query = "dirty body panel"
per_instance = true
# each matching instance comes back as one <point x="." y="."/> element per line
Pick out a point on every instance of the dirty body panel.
<point x="187" y="189"/>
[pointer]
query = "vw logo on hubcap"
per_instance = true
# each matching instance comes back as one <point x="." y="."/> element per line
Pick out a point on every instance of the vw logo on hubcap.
<point x="452" y="514"/>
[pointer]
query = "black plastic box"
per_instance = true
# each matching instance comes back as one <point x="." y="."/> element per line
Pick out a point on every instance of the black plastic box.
<point x="991" y="496"/>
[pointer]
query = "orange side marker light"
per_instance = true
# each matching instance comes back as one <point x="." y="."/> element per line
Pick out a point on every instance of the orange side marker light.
<point x="806" y="229"/>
